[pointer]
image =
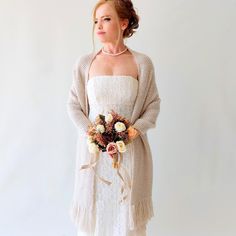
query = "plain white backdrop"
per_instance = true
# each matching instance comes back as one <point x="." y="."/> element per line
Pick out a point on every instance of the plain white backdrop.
<point x="192" y="44"/>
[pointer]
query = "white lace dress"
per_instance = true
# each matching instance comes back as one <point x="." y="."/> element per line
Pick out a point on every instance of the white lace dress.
<point x="107" y="92"/>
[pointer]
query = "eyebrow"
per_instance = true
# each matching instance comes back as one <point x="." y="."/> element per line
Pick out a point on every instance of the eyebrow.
<point x="104" y="16"/>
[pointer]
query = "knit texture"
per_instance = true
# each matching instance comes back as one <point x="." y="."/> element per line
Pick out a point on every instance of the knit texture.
<point x="144" y="117"/>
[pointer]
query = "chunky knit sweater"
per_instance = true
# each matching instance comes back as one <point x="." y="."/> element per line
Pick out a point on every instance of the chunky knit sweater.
<point x="144" y="117"/>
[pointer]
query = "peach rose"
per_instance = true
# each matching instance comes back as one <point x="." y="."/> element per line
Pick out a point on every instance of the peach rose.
<point x="132" y="132"/>
<point x="111" y="148"/>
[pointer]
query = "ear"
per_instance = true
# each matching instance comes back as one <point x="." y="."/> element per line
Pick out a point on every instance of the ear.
<point x="124" y="24"/>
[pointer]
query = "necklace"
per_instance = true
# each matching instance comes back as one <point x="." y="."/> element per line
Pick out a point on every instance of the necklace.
<point x="114" y="54"/>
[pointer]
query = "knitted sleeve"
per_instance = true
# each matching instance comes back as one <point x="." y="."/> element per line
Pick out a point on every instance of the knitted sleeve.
<point x="76" y="99"/>
<point x="151" y="106"/>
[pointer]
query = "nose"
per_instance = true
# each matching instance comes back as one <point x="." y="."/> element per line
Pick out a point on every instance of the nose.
<point x="99" y="25"/>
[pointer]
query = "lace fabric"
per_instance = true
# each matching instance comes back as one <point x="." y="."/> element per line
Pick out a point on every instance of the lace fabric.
<point x="106" y="93"/>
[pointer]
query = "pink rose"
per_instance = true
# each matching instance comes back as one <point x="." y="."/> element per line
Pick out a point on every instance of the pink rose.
<point x="111" y="148"/>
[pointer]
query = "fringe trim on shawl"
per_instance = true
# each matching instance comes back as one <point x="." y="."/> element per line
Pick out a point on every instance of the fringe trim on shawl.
<point x="140" y="213"/>
<point x="83" y="218"/>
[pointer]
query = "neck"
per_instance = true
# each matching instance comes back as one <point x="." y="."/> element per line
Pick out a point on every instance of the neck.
<point x="114" y="49"/>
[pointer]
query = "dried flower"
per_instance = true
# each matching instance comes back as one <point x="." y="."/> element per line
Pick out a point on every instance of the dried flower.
<point x="110" y="133"/>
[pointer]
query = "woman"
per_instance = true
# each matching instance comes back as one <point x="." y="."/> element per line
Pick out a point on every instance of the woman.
<point x="119" y="78"/>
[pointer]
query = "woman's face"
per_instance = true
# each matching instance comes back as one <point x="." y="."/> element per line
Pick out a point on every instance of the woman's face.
<point x="106" y="27"/>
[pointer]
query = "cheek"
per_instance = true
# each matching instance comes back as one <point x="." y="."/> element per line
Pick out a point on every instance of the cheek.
<point x="115" y="30"/>
<point x="113" y="26"/>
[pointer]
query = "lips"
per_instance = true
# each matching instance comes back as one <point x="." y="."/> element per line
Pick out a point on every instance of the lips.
<point x="100" y="32"/>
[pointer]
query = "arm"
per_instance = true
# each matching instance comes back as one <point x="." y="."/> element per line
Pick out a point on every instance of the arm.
<point x="151" y="107"/>
<point x="75" y="100"/>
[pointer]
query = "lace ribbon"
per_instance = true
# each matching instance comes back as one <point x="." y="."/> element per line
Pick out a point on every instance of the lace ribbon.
<point x="126" y="182"/>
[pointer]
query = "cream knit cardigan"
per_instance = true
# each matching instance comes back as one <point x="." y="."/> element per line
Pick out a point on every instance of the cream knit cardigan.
<point x="144" y="116"/>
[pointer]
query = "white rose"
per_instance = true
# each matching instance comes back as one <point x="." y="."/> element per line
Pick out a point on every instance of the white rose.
<point x="120" y="126"/>
<point x="89" y="140"/>
<point x="108" y="117"/>
<point x="121" y="146"/>
<point x="93" y="147"/>
<point x="100" y="128"/>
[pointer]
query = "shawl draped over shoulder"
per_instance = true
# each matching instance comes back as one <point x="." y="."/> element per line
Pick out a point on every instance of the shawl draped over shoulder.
<point x="144" y="117"/>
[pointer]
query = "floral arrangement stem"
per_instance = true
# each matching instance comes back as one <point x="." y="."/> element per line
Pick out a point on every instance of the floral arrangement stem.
<point x="115" y="163"/>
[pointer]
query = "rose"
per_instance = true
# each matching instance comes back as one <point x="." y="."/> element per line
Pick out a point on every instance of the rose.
<point x="121" y="146"/>
<point x="100" y="128"/>
<point x="111" y="148"/>
<point x="89" y="140"/>
<point x="120" y="126"/>
<point x="93" y="147"/>
<point x="132" y="132"/>
<point x="108" y="117"/>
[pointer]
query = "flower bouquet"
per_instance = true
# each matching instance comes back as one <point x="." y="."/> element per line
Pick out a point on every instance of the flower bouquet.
<point x="110" y="133"/>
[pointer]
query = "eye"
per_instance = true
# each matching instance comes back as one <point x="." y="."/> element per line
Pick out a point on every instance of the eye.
<point x="107" y="18"/>
<point x="95" y="22"/>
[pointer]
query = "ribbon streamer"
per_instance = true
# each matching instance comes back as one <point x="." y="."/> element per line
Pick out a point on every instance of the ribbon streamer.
<point x="92" y="165"/>
<point x="126" y="182"/>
